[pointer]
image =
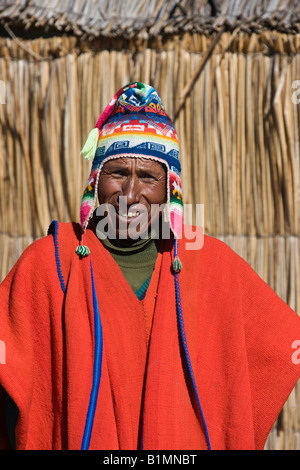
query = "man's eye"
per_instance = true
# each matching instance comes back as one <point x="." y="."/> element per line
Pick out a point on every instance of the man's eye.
<point x="118" y="172"/>
<point x="147" y="176"/>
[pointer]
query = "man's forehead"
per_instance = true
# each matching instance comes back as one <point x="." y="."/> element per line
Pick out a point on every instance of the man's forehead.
<point x="138" y="161"/>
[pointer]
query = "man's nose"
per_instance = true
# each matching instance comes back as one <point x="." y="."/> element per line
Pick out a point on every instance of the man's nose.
<point x="131" y="190"/>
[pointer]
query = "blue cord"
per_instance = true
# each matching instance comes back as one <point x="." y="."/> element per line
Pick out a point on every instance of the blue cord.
<point x="98" y="346"/>
<point x="97" y="371"/>
<point x="184" y="341"/>
<point x="61" y="279"/>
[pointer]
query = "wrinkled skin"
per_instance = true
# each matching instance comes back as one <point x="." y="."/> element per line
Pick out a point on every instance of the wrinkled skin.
<point x="130" y="187"/>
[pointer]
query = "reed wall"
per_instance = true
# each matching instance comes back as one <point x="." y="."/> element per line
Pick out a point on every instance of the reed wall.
<point x="237" y="116"/>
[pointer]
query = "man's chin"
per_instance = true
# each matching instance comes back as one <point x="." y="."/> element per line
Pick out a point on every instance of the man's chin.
<point x="131" y="234"/>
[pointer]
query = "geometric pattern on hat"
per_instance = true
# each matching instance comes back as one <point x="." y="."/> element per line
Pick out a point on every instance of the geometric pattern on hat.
<point x="135" y="124"/>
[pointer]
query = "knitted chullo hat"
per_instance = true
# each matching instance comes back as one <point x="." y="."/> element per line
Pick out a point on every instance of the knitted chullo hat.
<point x="134" y="124"/>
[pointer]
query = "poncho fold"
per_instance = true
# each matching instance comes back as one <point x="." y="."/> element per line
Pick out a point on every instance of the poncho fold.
<point x="90" y="366"/>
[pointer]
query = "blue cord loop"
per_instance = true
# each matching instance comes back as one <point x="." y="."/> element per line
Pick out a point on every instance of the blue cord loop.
<point x="97" y="370"/>
<point x="57" y="258"/>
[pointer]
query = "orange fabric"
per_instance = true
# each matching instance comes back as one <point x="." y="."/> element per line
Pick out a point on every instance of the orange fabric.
<point x="148" y="303"/>
<point x="239" y="334"/>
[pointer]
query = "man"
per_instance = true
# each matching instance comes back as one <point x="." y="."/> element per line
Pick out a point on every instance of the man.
<point x="119" y="337"/>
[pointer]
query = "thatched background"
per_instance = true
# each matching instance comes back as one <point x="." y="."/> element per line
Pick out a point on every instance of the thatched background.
<point x="225" y="71"/>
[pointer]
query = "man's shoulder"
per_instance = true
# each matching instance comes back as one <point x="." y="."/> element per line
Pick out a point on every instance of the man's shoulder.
<point x="195" y="243"/>
<point x="59" y="242"/>
<point x="215" y="257"/>
<point x="62" y="232"/>
<point x="68" y="230"/>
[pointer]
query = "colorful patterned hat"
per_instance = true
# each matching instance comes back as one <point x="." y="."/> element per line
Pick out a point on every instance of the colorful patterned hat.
<point x="134" y="124"/>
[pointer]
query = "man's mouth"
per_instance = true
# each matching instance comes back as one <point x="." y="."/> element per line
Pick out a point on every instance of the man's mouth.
<point x="129" y="214"/>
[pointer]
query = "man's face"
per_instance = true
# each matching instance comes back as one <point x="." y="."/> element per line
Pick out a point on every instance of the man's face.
<point x="131" y="187"/>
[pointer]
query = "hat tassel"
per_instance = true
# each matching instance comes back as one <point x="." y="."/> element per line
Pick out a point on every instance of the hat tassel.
<point x="177" y="264"/>
<point x="89" y="149"/>
<point x="82" y="251"/>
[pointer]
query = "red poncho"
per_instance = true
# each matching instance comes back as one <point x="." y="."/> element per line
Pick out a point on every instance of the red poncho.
<point x="90" y="366"/>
